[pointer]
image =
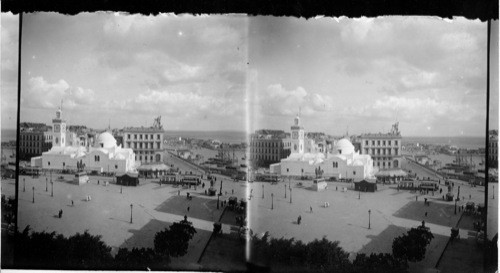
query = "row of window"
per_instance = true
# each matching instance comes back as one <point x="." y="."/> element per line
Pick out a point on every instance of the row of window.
<point x="266" y="157"/>
<point x="302" y="170"/>
<point x="267" y="151"/>
<point x="64" y="164"/>
<point x="266" y="144"/>
<point x="144" y="136"/>
<point x="381" y="165"/>
<point x="379" y="151"/>
<point x="381" y="142"/>
<point x="143" y="145"/>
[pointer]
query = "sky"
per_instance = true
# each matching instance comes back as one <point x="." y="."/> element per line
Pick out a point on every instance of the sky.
<point x="246" y="73"/>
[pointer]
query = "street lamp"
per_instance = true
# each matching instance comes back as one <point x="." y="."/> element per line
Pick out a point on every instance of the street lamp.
<point x="220" y="186"/>
<point x="455" y="206"/>
<point x="24" y="184"/>
<point x="131" y="206"/>
<point x="285" y="189"/>
<point x="369" y="213"/>
<point x="290" y="195"/>
<point x="46" y="184"/>
<point x="52" y="188"/>
<point x="359" y="194"/>
<point x="262" y="191"/>
<point x="272" y="201"/>
<point x="33" y="194"/>
<point x="493" y="192"/>
<point x="121" y="188"/>
<point x="218" y="195"/>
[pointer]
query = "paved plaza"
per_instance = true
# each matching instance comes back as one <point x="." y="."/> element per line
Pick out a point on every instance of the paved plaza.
<point x="108" y="213"/>
<point x="346" y="220"/>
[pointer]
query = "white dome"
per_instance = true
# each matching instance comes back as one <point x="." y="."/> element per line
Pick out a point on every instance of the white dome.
<point x="344" y="146"/>
<point x="106" y="140"/>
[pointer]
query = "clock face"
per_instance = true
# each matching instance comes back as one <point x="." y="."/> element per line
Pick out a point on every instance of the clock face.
<point x="63" y="128"/>
<point x="301" y="134"/>
<point x="294" y="135"/>
<point x="56" y="128"/>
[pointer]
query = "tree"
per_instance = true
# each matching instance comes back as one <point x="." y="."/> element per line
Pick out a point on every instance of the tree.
<point x="412" y="246"/>
<point x="174" y="241"/>
<point x="379" y="263"/>
<point x="140" y="259"/>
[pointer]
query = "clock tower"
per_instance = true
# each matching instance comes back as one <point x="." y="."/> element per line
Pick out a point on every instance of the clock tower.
<point x="58" y="130"/>
<point x="297" y="136"/>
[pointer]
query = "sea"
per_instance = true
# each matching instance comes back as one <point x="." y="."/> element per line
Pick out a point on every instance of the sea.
<point x="459" y="141"/>
<point x="232" y="137"/>
<point x="237" y="137"/>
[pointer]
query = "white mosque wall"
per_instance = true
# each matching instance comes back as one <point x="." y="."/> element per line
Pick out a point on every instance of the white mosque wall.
<point x="339" y="170"/>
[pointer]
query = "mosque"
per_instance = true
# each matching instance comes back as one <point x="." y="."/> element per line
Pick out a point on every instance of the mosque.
<point x="104" y="156"/>
<point x="337" y="160"/>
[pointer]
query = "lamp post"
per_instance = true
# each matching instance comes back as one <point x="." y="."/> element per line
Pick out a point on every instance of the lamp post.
<point x="131" y="206"/>
<point x="493" y="192"/>
<point x="33" y="194"/>
<point x="359" y="194"/>
<point x="456" y="206"/>
<point x="218" y="195"/>
<point x="285" y="190"/>
<point x="24" y="184"/>
<point x="272" y="201"/>
<point x="369" y="220"/>
<point x="46" y="184"/>
<point x="121" y="189"/>
<point x="220" y="186"/>
<point x="262" y="191"/>
<point x="290" y="195"/>
<point x="52" y="186"/>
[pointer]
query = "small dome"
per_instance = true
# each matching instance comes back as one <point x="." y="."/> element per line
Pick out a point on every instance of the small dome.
<point x="106" y="140"/>
<point x="344" y="146"/>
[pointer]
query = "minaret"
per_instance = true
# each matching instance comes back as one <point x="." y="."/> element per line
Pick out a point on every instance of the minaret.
<point x="58" y="130"/>
<point x="297" y="136"/>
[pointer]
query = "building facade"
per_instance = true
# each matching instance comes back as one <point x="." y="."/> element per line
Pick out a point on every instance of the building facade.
<point x="267" y="149"/>
<point x="104" y="156"/>
<point x="147" y="143"/>
<point x="385" y="149"/>
<point x="337" y="161"/>
<point x="34" y="143"/>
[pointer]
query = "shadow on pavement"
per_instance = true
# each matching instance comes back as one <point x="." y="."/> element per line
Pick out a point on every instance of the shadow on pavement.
<point x="437" y="213"/>
<point x="199" y="207"/>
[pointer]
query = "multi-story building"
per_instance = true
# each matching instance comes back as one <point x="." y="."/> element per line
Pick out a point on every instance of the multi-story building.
<point x="147" y="142"/>
<point x="267" y="147"/>
<point x="385" y="149"/>
<point x="34" y="142"/>
<point x="493" y="151"/>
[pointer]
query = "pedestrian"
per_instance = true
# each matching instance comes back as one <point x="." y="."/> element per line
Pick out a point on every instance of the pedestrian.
<point x="189" y="208"/>
<point x="232" y="191"/>
<point x="470" y="196"/>
<point x="299" y="219"/>
<point x="205" y="192"/>
<point x="336" y="188"/>
<point x="426" y="214"/>
<point x="97" y="182"/>
<point x="179" y="192"/>
<point x="72" y="204"/>
<point x="425" y="201"/>
<point x="311" y="208"/>
<point x="203" y="185"/>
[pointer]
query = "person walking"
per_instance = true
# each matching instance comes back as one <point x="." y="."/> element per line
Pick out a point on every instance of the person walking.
<point x="188" y="208"/>
<point x="179" y="192"/>
<point x="426" y="214"/>
<point x="232" y="191"/>
<point x="72" y="204"/>
<point x="311" y="209"/>
<point x="299" y="219"/>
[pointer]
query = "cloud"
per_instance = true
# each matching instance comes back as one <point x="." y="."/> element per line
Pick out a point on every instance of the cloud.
<point x="45" y="95"/>
<point x="277" y="101"/>
<point x="416" y="110"/>
<point x="185" y="104"/>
